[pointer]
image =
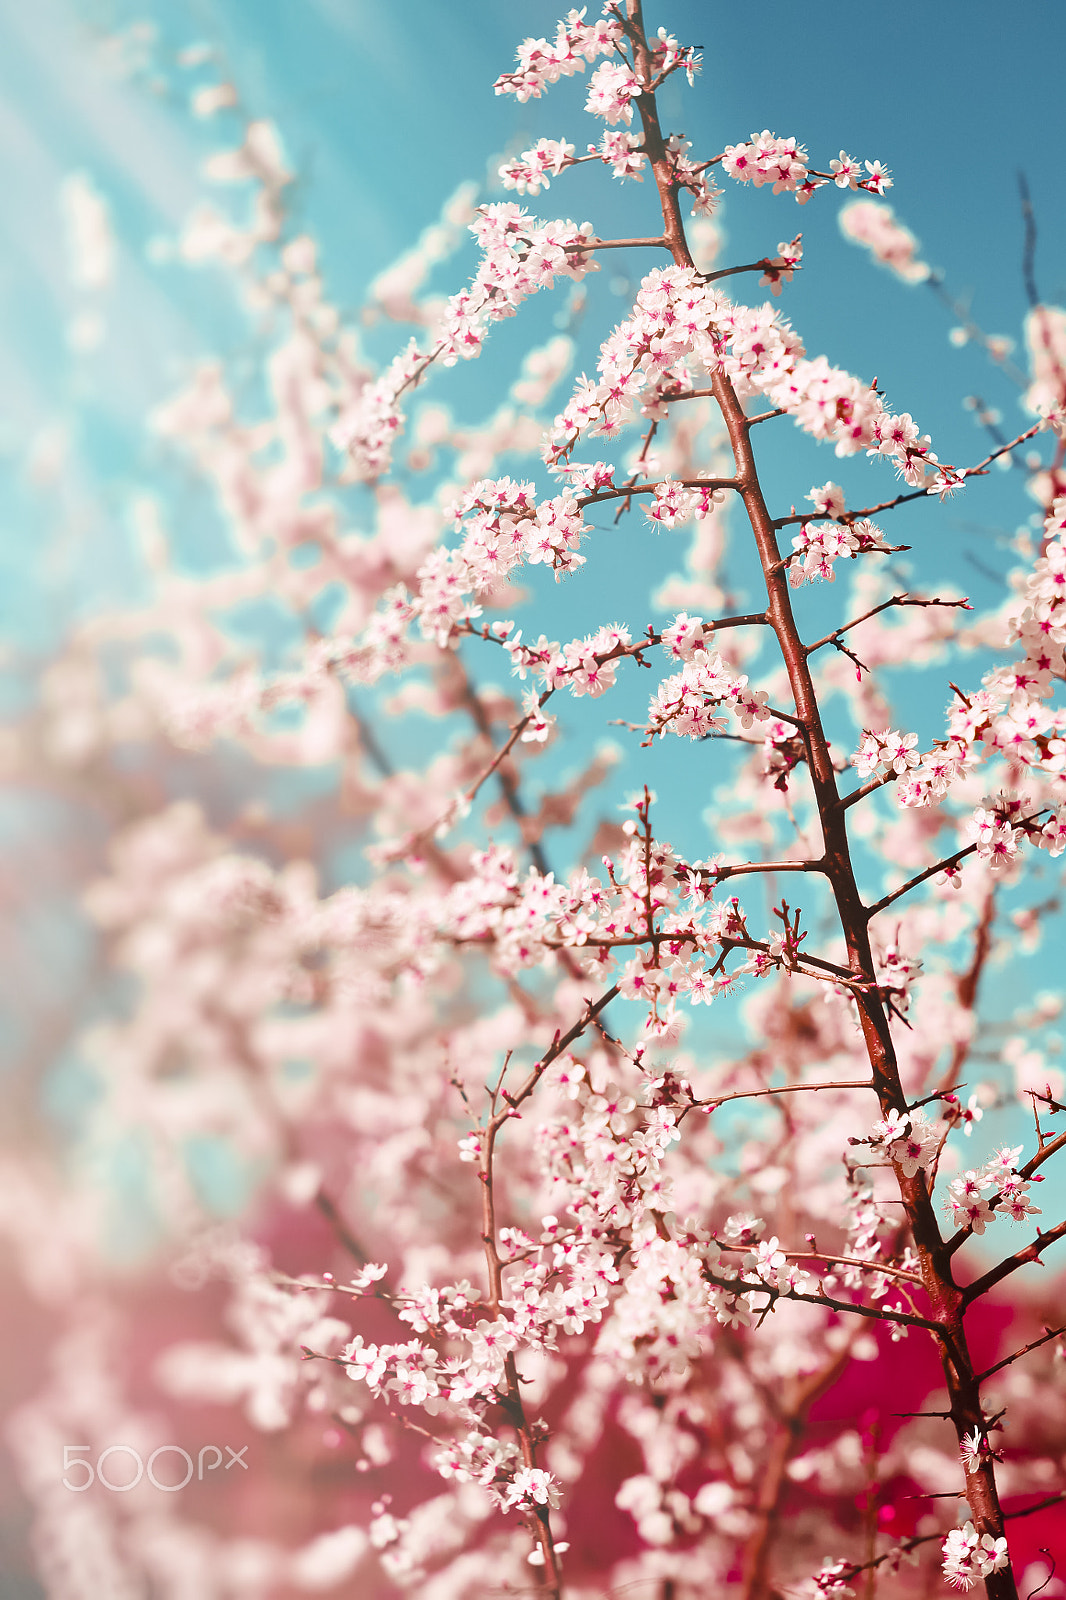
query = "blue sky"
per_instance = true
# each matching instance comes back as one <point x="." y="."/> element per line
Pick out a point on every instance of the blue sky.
<point x="385" y="108"/>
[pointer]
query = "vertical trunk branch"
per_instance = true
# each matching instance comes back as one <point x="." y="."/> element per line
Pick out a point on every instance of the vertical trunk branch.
<point x="945" y="1299"/>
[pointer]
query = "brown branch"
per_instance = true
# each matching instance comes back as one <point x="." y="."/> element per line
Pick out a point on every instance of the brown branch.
<point x="1021" y="1258"/>
<point x="649" y="488"/>
<point x="506" y="777"/>
<point x="853" y="1570"/>
<point x="920" y="877"/>
<point x="329" y="1210"/>
<point x="945" y="1299"/>
<point x="878" y="781"/>
<point x="1041" y="1505"/>
<point x="749" y="266"/>
<point x="975" y="334"/>
<point x="852" y="1261"/>
<point x="721" y="874"/>
<point x="1045" y="1152"/>
<point x="511" y="1398"/>
<point x="1052" y="1333"/>
<point x="978" y="471"/>
<point x="910" y="1319"/>
<point x="896" y="600"/>
<point x="617" y="244"/>
<point x="748" y="619"/>
<point x="774" y="1478"/>
<point x="715" y="1101"/>
<point x="689" y="394"/>
<point x="850" y="516"/>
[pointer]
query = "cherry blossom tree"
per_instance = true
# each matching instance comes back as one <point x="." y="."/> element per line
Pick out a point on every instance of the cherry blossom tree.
<point x="556" y="1274"/>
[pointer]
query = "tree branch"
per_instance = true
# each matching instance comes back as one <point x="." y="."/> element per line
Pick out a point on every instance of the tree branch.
<point x="977" y="471"/>
<point x="945" y="1300"/>
<point x="1052" y="1333"/>
<point x="511" y="1398"/>
<point x="896" y="600"/>
<point x="1020" y="1258"/>
<point x="920" y="877"/>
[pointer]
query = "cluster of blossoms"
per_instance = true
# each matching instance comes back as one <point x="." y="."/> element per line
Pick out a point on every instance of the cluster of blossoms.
<point x="503" y="527"/>
<point x="459" y="1387"/>
<point x="695" y="177"/>
<point x="684" y="703"/>
<point x="588" y="665"/>
<point x="603" y="1157"/>
<point x="541" y="63"/>
<point x="927" y="782"/>
<point x="783" y="752"/>
<point x="970" y="1556"/>
<point x="997" y="828"/>
<point x="878" y="229"/>
<point x="668" y="56"/>
<point x="383" y="647"/>
<point x="831" y="1582"/>
<point x="827" y="499"/>
<point x="765" y="158"/>
<point x="779" y="268"/>
<point x="584" y="666"/>
<point x="831" y="404"/>
<point x="897" y="973"/>
<point x="909" y="1139"/>
<point x="682" y="329"/>
<point x="530" y="173"/>
<point x="613" y="84"/>
<point x="606" y="1156"/>
<point x="526" y="919"/>
<point x="674" y="321"/>
<point x="672" y="503"/>
<point x="622" y="152"/>
<point x="612" y="89"/>
<point x="997" y="841"/>
<point x="1022" y="724"/>
<point x="1009" y="716"/>
<point x="819" y="546"/>
<point x="368" y="428"/>
<point x="998" y="831"/>
<point x="1000" y="1181"/>
<point x="866" y="1247"/>
<point x="520" y="257"/>
<point x="886" y="752"/>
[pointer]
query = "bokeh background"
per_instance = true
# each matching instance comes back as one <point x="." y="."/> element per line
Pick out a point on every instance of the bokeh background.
<point x="383" y="111"/>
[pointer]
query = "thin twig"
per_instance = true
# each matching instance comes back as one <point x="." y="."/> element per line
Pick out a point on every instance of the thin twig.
<point x="741" y="1286"/>
<point x="1021" y="1258"/>
<point x="718" y="875"/>
<point x="896" y="600"/>
<point x="978" y="471"/>
<point x="920" y="877"/>
<point x="617" y="244"/>
<point x="1052" y="1333"/>
<point x="717" y="1100"/>
<point x="628" y="489"/>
